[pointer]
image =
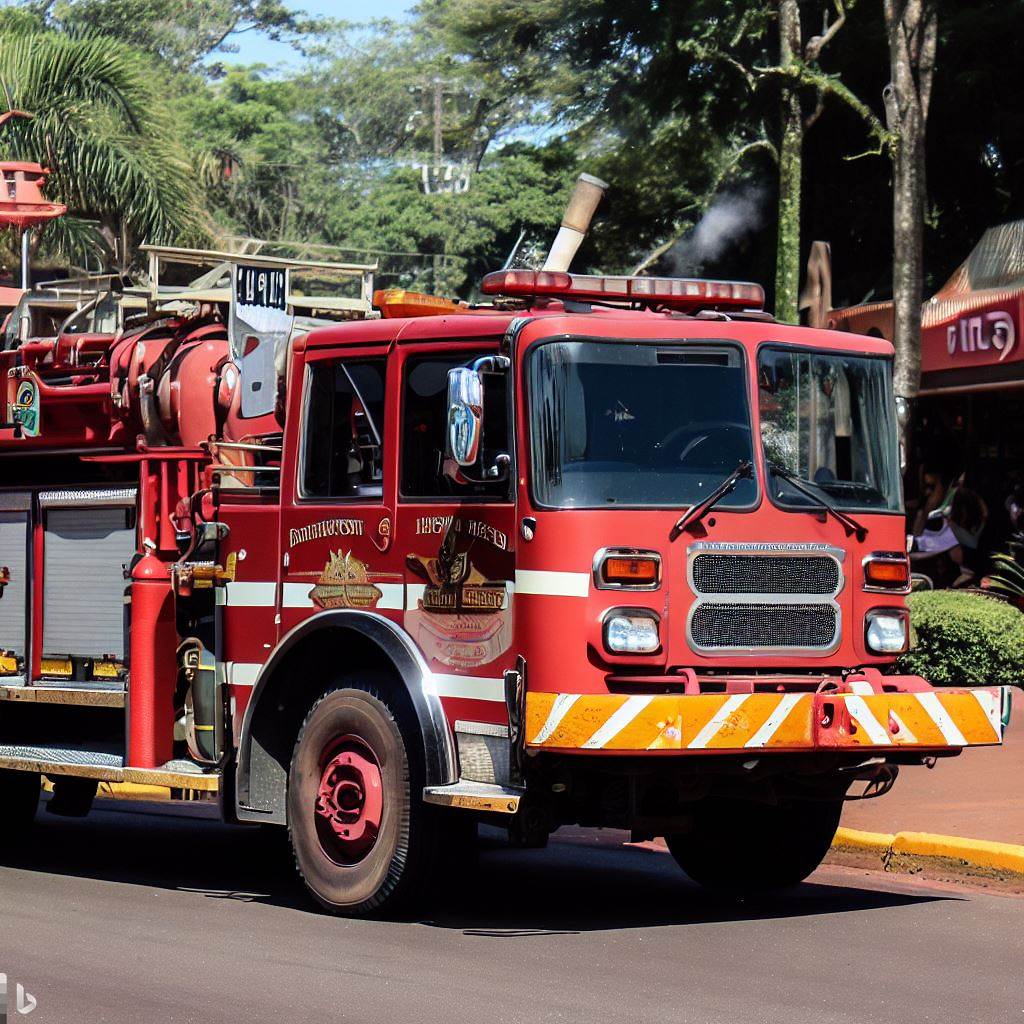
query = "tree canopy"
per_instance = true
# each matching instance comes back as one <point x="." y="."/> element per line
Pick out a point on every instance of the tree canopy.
<point x="679" y="106"/>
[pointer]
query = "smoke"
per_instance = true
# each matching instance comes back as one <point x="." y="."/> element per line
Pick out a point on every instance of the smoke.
<point x="729" y="218"/>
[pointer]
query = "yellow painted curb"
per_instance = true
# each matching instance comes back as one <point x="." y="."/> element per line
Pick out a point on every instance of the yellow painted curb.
<point x="1003" y="857"/>
<point x="133" y="791"/>
<point x="913" y="850"/>
<point x="125" y="791"/>
<point x="870" y="842"/>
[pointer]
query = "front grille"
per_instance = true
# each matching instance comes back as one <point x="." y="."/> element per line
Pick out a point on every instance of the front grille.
<point x="715" y="573"/>
<point x="719" y="625"/>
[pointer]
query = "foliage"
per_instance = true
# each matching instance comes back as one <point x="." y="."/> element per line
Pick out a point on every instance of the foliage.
<point x="180" y="32"/>
<point x="99" y="122"/>
<point x="258" y="152"/>
<point x="678" y="109"/>
<point x="651" y="103"/>
<point x="521" y="187"/>
<point x="965" y="639"/>
<point x="1007" y="577"/>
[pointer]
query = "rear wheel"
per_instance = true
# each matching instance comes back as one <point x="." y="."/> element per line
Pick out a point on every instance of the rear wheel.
<point x="360" y="834"/>
<point x="747" y="847"/>
<point x="19" y="798"/>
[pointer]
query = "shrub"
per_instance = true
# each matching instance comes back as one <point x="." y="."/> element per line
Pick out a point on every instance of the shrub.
<point x="965" y="639"/>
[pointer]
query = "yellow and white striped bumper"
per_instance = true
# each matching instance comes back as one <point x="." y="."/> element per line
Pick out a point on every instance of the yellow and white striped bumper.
<point x="930" y="720"/>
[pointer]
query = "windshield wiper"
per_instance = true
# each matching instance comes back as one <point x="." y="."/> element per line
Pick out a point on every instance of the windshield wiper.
<point x="744" y="471"/>
<point x="850" y="525"/>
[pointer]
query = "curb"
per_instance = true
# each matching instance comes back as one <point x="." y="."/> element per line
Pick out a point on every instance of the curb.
<point x="915" y="851"/>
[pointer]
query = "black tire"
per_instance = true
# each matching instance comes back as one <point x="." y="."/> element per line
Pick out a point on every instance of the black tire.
<point x="358" y="720"/>
<point x="743" y="847"/>
<point x="19" y="799"/>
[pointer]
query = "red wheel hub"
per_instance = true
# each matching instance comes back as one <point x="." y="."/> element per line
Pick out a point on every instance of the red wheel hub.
<point x="349" y="800"/>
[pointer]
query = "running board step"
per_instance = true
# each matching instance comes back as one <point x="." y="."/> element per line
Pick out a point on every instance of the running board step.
<point x="87" y="764"/>
<point x="475" y="796"/>
<point x="80" y="696"/>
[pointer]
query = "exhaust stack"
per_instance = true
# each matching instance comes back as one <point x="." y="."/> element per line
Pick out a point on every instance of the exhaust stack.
<point x="578" y="215"/>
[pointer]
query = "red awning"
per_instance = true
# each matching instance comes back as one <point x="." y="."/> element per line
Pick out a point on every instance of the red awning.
<point x="971" y="327"/>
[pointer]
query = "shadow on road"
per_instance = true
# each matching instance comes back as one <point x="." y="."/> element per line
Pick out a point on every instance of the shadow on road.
<point x="568" y="888"/>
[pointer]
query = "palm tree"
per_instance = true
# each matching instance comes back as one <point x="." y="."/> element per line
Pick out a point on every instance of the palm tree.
<point x="101" y="124"/>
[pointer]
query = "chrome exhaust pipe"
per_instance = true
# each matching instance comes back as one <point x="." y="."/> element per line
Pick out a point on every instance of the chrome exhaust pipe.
<point x="578" y="215"/>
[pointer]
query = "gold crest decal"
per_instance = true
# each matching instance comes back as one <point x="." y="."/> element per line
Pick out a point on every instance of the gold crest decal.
<point x="345" y="583"/>
<point x="454" y="584"/>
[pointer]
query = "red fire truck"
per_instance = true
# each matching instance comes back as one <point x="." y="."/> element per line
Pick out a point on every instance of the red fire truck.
<point x="610" y="551"/>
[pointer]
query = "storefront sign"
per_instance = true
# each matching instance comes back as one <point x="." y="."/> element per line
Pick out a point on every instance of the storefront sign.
<point x="982" y="332"/>
<point x="975" y="340"/>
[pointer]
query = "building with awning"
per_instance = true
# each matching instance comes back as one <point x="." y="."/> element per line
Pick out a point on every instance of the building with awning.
<point x="971" y="407"/>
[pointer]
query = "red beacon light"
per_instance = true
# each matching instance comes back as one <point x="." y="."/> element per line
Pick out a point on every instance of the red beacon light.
<point x="674" y="292"/>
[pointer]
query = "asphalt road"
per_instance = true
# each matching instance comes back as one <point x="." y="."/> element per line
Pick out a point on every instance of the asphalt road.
<point x="125" y="917"/>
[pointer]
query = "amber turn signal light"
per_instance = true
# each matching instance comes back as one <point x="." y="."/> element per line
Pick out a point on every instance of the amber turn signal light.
<point x="629" y="569"/>
<point x="887" y="571"/>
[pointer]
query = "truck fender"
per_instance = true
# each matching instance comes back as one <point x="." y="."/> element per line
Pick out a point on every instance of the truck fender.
<point x="261" y="777"/>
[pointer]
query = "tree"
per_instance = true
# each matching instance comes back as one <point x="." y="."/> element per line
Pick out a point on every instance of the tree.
<point x="520" y="188"/>
<point x="182" y="33"/>
<point x="912" y="30"/>
<point x="734" y="83"/>
<point x="659" y="105"/>
<point x="102" y="127"/>
<point x="261" y="154"/>
<point x="798" y="67"/>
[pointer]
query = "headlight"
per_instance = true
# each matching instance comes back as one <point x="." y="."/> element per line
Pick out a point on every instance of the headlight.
<point x="630" y="631"/>
<point x="887" y="630"/>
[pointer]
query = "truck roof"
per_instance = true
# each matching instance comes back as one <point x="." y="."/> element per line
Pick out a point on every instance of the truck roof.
<point x="599" y="321"/>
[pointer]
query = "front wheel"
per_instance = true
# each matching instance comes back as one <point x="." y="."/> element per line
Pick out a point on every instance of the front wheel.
<point x="746" y="847"/>
<point x="361" y="837"/>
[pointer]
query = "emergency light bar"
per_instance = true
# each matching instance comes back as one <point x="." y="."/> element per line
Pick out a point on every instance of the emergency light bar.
<point x="675" y="292"/>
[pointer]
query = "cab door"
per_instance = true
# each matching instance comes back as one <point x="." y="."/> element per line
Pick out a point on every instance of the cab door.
<point x="457" y="534"/>
<point x="337" y="494"/>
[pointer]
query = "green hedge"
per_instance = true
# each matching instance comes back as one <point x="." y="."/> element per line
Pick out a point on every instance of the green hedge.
<point x="965" y="639"/>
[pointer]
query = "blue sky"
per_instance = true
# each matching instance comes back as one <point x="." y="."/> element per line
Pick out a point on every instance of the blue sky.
<point x="257" y="48"/>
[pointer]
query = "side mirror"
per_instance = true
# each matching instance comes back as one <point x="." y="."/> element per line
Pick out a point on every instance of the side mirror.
<point x="465" y="415"/>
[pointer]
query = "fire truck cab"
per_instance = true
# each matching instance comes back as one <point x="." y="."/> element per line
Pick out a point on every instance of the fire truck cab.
<point x="611" y="551"/>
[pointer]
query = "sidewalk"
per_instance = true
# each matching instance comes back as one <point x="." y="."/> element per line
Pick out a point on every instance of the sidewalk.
<point x="978" y="795"/>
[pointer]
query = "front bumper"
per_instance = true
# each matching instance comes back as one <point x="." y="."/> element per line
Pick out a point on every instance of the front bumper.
<point x="924" y="720"/>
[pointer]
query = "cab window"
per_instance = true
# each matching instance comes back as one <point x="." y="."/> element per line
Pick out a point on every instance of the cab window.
<point x="424" y="420"/>
<point x="343" y="430"/>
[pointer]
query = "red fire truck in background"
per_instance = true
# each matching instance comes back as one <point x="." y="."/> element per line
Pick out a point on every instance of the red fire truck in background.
<point x="610" y="551"/>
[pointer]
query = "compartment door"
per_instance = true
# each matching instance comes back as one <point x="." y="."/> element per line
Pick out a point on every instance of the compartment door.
<point x="14" y="539"/>
<point x="84" y="554"/>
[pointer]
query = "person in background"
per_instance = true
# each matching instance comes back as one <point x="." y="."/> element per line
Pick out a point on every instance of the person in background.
<point x="947" y="530"/>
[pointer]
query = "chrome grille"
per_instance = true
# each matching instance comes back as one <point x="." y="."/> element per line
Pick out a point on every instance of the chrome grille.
<point x="719" y="625"/>
<point x="764" y="597"/>
<point x="717" y="573"/>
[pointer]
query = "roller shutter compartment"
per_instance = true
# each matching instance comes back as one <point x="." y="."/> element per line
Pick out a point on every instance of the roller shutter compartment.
<point x="14" y="555"/>
<point x="85" y="550"/>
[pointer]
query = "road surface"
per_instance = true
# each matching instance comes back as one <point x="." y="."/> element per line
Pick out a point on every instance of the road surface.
<point x="126" y="917"/>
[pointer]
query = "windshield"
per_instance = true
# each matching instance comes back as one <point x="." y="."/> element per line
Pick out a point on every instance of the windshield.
<point x="829" y="419"/>
<point x="637" y="424"/>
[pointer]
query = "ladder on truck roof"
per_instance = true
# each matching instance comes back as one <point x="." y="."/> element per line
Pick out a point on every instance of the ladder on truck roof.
<point x="311" y="280"/>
